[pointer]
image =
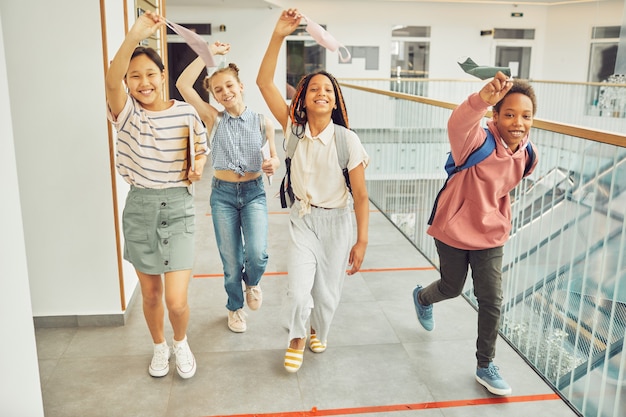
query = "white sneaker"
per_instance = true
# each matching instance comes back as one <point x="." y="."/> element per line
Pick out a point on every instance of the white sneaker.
<point x="254" y="297"/>
<point x="185" y="361"/>
<point x="237" y="321"/>
<point x="160" y="364"/>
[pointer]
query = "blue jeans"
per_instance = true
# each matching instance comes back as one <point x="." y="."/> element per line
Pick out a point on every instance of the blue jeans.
<point x="239" y="211"/>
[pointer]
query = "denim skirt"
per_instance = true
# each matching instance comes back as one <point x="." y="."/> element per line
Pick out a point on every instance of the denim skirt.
<point x="159" y="228"/>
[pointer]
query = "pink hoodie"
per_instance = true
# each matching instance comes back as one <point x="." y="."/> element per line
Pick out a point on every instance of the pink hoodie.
<point x="474" y="211"/>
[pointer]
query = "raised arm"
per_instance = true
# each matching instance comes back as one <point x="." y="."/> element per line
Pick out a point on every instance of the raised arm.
<point x="287" y="23"/>
<point x="187" y="79"/>
<point x="145" y="25"/>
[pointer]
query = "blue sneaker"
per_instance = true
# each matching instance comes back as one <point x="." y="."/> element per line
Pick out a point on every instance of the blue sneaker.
<point x="491" y="379"/>
<point x="424" y="313"/>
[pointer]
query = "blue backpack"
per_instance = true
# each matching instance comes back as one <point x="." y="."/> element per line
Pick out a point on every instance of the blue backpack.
<point x="486" y="149"/>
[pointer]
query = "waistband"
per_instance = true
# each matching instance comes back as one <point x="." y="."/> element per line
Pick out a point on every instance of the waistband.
<point x="159" y="192"/>
<point x="258" y="181"/>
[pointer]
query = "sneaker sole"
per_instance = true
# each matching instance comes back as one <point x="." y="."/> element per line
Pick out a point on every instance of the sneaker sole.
<point x="158" y="374"/>
<point x="496" y="391"/>
<point x="237" y="330"/>
<point x="186" y="375"/>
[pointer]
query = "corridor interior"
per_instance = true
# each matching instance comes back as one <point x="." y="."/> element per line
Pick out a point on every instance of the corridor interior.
<point x="379" y="362"/>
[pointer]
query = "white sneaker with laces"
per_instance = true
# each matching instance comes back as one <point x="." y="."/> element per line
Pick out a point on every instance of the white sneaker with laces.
<point x="254" y="297"/>
<point x="185" y="361"/>
<point x="237" y="321"/>
<point x="160" y="364"/>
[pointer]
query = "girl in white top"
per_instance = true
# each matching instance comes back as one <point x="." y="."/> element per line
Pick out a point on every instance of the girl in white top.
<point x="155" y="137"/>
<point x="322" y="244"/>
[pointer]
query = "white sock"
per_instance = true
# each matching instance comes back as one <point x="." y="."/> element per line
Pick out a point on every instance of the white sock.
<point x="177" y="342"/>
<point x="162" y="345"/>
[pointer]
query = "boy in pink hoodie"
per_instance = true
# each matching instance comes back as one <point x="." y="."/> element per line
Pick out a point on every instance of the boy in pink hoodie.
<point x="473" y="213"/>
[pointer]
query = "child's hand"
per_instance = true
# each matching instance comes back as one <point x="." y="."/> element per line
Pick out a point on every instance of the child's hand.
<point x="288" y="22"/>
<point x="357" y="254"/>
<point x="146" y="25"/>
<point x="268" y="166"/>
<point x="219" y="48"/>
<point x="196" y="174"/>
<point x="496" y="89"/>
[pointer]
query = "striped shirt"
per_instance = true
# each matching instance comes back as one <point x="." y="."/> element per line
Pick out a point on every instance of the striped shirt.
<point x="236" y="145"/>
<point x="152" y="146"/>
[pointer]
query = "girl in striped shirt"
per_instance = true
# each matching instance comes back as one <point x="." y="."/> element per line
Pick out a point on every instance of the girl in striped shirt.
<point x="161" y="150"/>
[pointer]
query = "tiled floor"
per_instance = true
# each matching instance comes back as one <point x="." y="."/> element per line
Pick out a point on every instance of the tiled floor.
<point x="379" y="361"/>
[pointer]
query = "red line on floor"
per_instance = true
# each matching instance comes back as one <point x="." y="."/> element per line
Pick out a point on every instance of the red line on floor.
<point x="417" y="268"/>
<point x="314" y="412"/>
<point x="287" y="212"/>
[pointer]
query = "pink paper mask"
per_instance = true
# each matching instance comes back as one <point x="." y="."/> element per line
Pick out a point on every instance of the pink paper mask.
<point x="325" y="39"/>
<point x="195" y="42"/>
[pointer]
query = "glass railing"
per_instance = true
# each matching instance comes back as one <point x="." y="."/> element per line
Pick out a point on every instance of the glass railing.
<point x="600" y="106"/>
<point x="564" y="269"/>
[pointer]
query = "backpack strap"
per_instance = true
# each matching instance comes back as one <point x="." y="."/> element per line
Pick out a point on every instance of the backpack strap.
<point x="474" y="158"/>
<point x="531" y="158"/>
<point x="343" y="155"/>
<point x="286" y="190"/>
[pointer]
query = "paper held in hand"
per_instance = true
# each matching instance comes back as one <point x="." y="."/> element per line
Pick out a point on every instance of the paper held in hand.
<point x="265" y="152"/>
<point x="191" y="160"/>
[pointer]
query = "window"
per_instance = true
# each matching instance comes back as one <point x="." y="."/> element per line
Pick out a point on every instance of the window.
<point x="304" y="56"/>
<point x="410" y="49"/>
<point x="514" y="34"/>
<point x="605" y="32"/>
<point x="605" y="100"/>
<point x="603" y="54"/>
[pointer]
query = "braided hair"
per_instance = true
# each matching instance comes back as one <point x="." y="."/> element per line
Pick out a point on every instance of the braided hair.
<point x="297" y="111"/>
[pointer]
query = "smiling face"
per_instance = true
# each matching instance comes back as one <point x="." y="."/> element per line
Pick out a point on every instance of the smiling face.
<point x="144" y="80"/>
<point x="320" y="96"/>
<point x="514" y="118"/>
<point x="227" y="90"/>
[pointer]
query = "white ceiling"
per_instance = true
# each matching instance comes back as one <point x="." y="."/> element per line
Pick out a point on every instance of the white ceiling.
<point x="263" y="4"/>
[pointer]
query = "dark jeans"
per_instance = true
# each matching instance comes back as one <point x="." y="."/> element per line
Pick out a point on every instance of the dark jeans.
<point x="487" y="275"/>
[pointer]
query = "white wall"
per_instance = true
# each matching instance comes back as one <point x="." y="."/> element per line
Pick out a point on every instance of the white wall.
<point x="567" y="49"/>
<point x="20" y="395"/>
<point x="56" y="82"/>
